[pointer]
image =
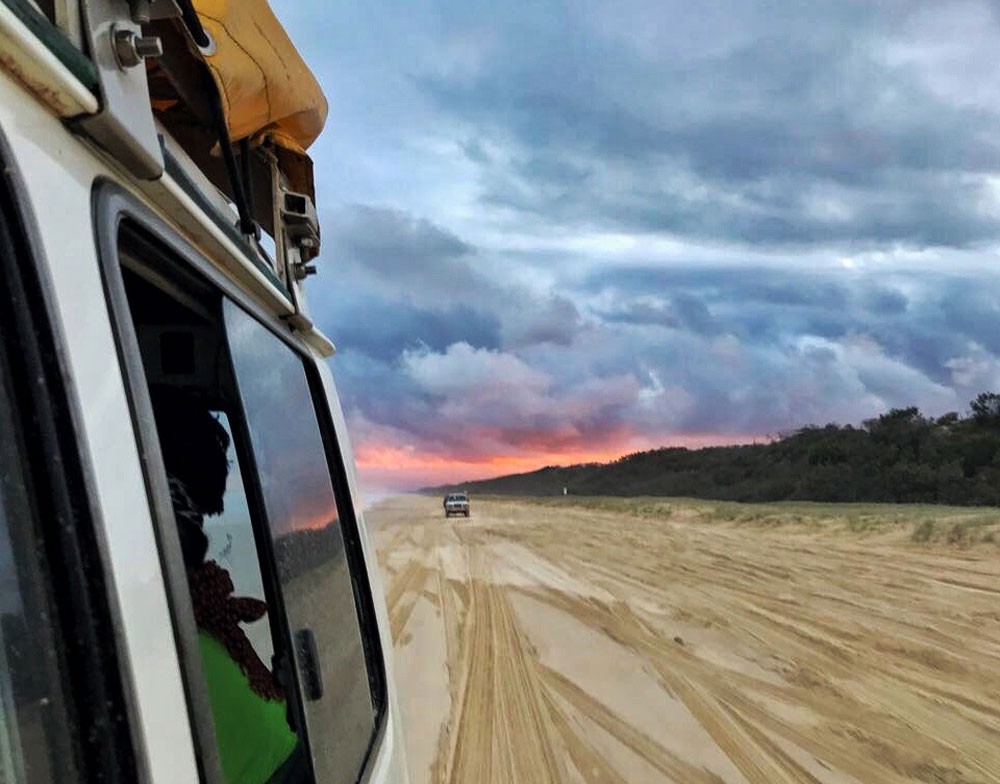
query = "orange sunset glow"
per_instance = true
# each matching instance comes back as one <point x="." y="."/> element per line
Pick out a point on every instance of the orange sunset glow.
<point x="386" y="465"/>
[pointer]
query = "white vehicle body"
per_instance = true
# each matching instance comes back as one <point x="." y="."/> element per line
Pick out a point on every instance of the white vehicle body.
<point x="456" y="503"/>
<point x="70" y="198"/>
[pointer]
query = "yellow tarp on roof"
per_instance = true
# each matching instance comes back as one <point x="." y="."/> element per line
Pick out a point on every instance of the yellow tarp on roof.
<point x="267" y="89"/>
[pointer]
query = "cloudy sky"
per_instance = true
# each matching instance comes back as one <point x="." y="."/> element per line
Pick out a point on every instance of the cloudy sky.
<point x="560" y="232"/>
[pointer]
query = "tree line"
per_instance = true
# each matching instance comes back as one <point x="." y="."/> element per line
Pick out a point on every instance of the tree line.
<point x="901" y="456"/>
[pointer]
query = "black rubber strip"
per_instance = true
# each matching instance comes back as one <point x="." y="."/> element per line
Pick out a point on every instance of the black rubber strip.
<point x="193" y="23"/>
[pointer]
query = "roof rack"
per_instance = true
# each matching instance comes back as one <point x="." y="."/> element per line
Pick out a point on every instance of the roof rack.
<point x="219" y="79"/>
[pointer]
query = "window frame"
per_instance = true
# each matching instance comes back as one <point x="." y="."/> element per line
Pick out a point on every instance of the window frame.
<point x="95" y="683"/>
<point x="351" y="532"/>
<point x="112" y="208"/>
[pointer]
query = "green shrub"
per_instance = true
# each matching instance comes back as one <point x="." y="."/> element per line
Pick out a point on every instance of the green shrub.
<point x="960" y="533"/>
<point x="925" y="531"/>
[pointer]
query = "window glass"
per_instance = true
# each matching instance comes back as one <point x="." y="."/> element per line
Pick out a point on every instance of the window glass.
<point x="308" y="544"/>
<point x="232" y="545"/>
<point x="34" y="728"/>
<point x="237" y="617"/>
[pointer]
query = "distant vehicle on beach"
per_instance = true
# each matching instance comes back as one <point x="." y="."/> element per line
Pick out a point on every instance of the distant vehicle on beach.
<point x="456" y="503"/>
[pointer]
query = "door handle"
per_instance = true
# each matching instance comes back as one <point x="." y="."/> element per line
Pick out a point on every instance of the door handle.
<point x="312" y="677"/>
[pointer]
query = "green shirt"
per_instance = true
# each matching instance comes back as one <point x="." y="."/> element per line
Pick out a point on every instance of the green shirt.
<point x="253" y="736"/>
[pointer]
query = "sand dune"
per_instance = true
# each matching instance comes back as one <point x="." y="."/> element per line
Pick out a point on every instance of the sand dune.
<point x="540" y="644"/>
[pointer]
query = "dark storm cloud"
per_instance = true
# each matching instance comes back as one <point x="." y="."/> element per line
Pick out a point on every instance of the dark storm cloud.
<point x="768" y="286"/>
<point x="403" y="292"/>
<point x="918" y="208"/>
<point x="682" y="311"/>
<point x="803" y="130"/>
<point x="401" y="279"/>
<point x="553" y="319"/>
<point x="884" y="301"/>
<point x="694" y="314"/>
<point x="392" y="245"/>
<point x="382" y="328"/>
<point x="699" y="361"/>
<point x="500" y="182"/>
<point x="974" y="312"/>
<point x="685" y="349"/>
<point x="924" y="344"/>
<point x="769" y="310"/>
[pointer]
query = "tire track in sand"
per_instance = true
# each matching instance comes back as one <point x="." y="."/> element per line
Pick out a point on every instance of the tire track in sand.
<point x="503" y="732"/>
<point x="810" y="657"/>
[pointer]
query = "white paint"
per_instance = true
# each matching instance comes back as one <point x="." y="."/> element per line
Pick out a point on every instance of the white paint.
<point x="59" y="172"/>
<point x="33" y="64"/>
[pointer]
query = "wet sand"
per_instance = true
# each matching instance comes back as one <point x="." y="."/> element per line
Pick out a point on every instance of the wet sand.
<point x="539" y="644"/>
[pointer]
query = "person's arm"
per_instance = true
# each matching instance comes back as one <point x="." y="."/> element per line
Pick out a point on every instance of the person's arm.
<point x="254" y="738"/>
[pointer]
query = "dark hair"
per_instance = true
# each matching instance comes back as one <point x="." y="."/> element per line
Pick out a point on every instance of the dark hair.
<point x="194" y="445"/>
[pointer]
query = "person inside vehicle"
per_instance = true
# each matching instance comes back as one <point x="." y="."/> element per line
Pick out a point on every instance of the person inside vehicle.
<point x="256" y="744"/>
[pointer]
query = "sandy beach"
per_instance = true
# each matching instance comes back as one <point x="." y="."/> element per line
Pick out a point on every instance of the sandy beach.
<point x="562" y="644"/>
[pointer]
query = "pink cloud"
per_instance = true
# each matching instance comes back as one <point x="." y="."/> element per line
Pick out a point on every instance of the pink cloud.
<point x="387" y="466"/>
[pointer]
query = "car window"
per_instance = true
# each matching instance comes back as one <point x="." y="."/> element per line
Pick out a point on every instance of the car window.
<point x="34" y="725"/>
<point x="243" y="708"/>
<point x="305" y="527"/>
<point x="233" y="544"/>
<point x="289" y="675"/>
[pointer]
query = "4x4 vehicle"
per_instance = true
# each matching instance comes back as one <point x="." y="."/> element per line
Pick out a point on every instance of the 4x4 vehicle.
<point x="187" y="589"/>
<point x="457" y="504"/>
